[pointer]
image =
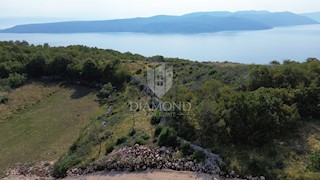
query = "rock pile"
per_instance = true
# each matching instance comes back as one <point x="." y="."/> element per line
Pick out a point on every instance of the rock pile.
<point x="138" y="158"/>
<point x="41" y="169"/>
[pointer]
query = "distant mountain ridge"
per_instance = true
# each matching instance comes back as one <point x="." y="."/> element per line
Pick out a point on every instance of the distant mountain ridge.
<point x="315" y="16"/>
<point x="199" y="22"/>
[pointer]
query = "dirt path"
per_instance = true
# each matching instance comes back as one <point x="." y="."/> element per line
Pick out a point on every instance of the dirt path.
<point x="147" y="175"/>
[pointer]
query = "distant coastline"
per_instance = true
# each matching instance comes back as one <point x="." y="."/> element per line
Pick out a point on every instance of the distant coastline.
<point x="198" y="22"/>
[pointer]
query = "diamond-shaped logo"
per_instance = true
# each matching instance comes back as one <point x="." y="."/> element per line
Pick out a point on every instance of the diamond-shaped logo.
<point x="160" y="79"/>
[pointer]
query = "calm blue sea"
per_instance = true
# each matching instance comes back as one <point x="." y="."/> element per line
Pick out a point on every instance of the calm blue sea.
<point x="259" y="47"/>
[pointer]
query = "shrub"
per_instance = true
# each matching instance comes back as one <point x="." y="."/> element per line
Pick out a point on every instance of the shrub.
<point x="168" y="137"/>
<point x="121" y="140"/>
<point x="186" y="149"/>
<point x="145" y="136"/>
<point x="314" y="162"/>
<point x="258" y="167"/>
<point x="90" y="71"/>
<point x="3" y="100"/>
<point x="15" y="80"/>
<point x="156" y="118"/>
<point x="132" y="132"/>
<point x="199" y="156"/>
<point x="69" y="160"/>
<point x="140" y="141"/>
<point x="36" y="67"/>
<point x="63" y="165"/>
<point x="308" y="100"/>
<point x="139" y="71"/>
<point x="223" y="167"/>
<point x="109" y="149"/>
<point x="59" y="64"/>
<point x="105" y="92"/>
<point x="158" y="130"/>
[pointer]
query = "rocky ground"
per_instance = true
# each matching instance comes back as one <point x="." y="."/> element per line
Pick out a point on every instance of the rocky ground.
<point x="28" y="170"/>
<point x="137" y="162"/>
<point x="139" y="158"/>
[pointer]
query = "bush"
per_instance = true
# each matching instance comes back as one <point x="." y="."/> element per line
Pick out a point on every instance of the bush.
<point x="139" y="71"/>
<point x="90" y="71"/>
<point x="105" y="92"/>
<point x="199" y="156"/>
<point x="156" y="118"/>
<point x="140" y="141"/>
<point x="258" y="167"/>
<point x="63" y="165"/>
<point x="15" y="80"/>
<point x="145" y="136"/>
<point x="59" y="65"/>
<point x="308" y="100"/>
<point x="314" y="162"/>
<point x="109" y="149"/>
<point x="158" y="130"/>
<point x="186" y="149"/>
<point x="72" y="158"/>
<point x="168" y="137"/>
<point x="3" y="100"/>
<point x="121" y="140"/>
<point x="132" y="132"/>
<point x="36" y="67"/>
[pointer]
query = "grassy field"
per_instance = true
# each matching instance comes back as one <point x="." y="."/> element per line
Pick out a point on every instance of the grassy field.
<point x="41" y="122"/>
<point x="24" y="97"/>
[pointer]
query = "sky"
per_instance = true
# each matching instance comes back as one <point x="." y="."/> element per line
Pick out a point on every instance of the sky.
<point x="109" y="9"/>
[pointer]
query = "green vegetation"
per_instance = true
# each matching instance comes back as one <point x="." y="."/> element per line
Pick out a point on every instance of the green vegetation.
<point x="121" y="140"/>
<point x="110" y="130"/>
<point x="105" y="93"/>
<point x="262" y="119"/>
<point x="15" y="80"/>
<point x="314" y="161"/>
<point x="186" y="149"/>
<point x="156" y="118"/>
<point x="168" y="137"/>
<point x="199" y="156"/>
<point x="242" y="111"/>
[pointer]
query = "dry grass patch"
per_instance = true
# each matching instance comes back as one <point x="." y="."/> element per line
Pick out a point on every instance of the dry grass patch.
<point x="45" y="130"/>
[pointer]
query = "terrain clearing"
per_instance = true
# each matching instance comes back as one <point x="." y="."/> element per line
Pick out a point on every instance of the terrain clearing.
<point x="43" y="122"/>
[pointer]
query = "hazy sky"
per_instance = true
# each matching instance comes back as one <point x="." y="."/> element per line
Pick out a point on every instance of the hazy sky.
<point x="106" y="9"/>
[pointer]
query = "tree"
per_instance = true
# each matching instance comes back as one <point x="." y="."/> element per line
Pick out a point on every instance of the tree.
<point x="90" y="71"/>
<point x="59" y="64"/>
<point x="74" y="70"/>
<point x="122" y="74"/>
<point x="260" y="76"/>
<point x="308" y="101"/>
<point x="257" y="117"/>
<point x="4" y="70"/>
<point x="211" y="122"/>
<point x="109" y="72"/>
<point x="36" y="67"/>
